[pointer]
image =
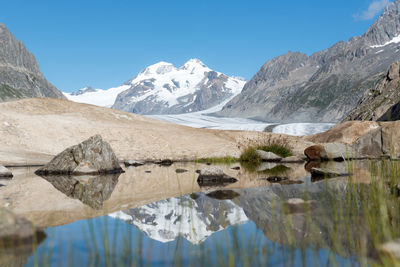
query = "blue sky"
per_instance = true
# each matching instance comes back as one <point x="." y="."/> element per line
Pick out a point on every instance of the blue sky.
<point x="104" y="43"/>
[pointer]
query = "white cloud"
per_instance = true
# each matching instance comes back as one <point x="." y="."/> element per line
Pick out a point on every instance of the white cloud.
<point x="373" y="9"/>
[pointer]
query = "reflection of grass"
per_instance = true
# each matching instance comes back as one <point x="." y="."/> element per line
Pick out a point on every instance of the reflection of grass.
<point x="248" y="166"/>
<point x="216" y="160"/>
<point x="250" y="160"/>
<point x="277" y="170"/>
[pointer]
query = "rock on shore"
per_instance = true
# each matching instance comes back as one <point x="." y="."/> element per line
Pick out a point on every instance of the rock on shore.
<point x="92" y="156"/>
<point x="5" y="173"/>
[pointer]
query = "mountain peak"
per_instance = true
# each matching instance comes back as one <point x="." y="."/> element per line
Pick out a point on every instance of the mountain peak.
<point x="194" y="64"/>
<point x="161" y="67"/>
<point x="386" y="27"/>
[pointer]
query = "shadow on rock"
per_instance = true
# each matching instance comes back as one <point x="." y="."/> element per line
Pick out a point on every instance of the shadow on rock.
<point x="90" y="190"/>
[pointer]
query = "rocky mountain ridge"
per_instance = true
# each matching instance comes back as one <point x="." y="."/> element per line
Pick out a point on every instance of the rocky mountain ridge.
<point x="324" y="86"/>
<point x="163" y="88"/>
<point x="20" y="75"/>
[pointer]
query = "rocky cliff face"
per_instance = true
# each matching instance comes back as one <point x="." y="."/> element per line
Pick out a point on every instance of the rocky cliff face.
<point x="325" y="86"/>
<point x="20" y="76"/>
<point x="382" y="102"/>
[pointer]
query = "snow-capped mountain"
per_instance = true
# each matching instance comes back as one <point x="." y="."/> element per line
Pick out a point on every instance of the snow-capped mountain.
<point x="164" y="89"/>
<point x="98" y="97"/>
<point x="195" y="219"/>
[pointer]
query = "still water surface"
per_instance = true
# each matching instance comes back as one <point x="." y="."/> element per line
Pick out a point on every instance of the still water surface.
<point x="164" y="218"/>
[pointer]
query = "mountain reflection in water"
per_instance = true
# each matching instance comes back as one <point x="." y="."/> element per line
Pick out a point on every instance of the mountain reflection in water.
<point x="248" y="223"/>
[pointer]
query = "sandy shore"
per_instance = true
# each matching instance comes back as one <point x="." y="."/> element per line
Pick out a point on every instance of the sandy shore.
<point x="34" y="130"/>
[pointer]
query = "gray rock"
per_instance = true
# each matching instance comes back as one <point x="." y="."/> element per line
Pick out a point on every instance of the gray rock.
<point x="293" y="159"/>
<point x="93" y="156"/>
<point x="5" y="173"/>
<point x="324" y="86"/>
<point x="326" y="173"/>
<point x="268" y="156"/>
<point x="133" y="163"/>
<point x="20" y="75"/>
<point x="214" y="176"/>
<point x="16" y="229"/>
<point x="390" y="249"/>
<point x="164" y="162"/>
<point x="275" y="179"/>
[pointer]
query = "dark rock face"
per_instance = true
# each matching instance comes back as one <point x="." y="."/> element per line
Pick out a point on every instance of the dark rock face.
<point x="381" y="103"/>
<point x="93" y="156"/>
<point x="325" y="86"/>
<point x="90" y="190"/>
<point x="213" y="176"/>
<point x="20" y="76"/>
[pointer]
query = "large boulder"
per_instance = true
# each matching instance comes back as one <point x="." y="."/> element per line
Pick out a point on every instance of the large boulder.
<point x="382" y="141"/>
<point x="5" y="173"/>
<point x="16" y="230"/>
<point x="92" y="156"/>
<point x="330" y="151"/>
<point x="367" y="139"/>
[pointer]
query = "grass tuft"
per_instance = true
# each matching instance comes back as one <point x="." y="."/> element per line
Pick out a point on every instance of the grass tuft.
<point x="277" y="149"/>
<point x="250" y="156"/>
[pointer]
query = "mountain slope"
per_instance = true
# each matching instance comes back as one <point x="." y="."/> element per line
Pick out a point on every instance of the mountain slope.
<point x="381" y="102"/>
<point x="324" y="86"/>
<point x="164" y="89"/>
<point x="20" y="76"/>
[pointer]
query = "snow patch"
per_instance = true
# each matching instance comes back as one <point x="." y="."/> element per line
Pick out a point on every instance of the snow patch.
<point x="395" y="40"/>
<point x="99" y="97"/>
